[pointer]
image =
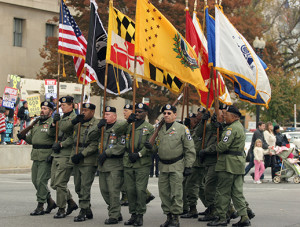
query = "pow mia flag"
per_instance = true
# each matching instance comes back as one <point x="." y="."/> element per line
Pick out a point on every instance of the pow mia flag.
<point x="96" y="54"/>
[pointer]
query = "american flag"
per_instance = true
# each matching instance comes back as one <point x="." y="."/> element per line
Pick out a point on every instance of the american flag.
<point x="72" y="42"/>
<point x="2" y="123"/>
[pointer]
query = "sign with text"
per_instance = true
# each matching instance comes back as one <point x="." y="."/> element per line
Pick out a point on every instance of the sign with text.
<point x="50" y="89"/>
<point x="14" y="81"/>
<point x="9" y="132"/>
<point x="9" y="97"/>
<point x="34" y="105"/>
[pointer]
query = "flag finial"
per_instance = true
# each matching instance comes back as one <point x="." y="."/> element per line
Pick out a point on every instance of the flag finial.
<point x="195" y="5"/>
<point x="205" y="2"/>
<point x="186" y="4"/>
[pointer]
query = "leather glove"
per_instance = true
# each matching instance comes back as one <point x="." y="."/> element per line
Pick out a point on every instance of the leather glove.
<point x="205" y="116"/>
<point x="49" y="159"/>
<point x="56" y="118"/>
<point x="201" y="155"/>
<point x="101" y="159"/>
<point x="187" y="171"/>
<point x="56" y="148"/>
<point x="148" y="145"/>
<point x="187" y="122"/>
<point x="133" y="157"/>
<point x="76" y="158"/>
<point x="214" y="118"/>
<point x="217" y="125"/>
<point x="101" y="123"/>
<point x="77" y="119"/>
<point x="131" y="118"/>
<point x="21" y="137"/>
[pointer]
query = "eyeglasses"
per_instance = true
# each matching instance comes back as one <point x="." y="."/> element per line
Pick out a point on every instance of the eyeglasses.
<point x="139" y="111"/>
<point x="168" y="113"/>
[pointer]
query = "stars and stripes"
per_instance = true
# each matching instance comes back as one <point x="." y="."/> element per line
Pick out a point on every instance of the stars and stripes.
<point x="2" y="123"/>
<point x="72" y="42"/>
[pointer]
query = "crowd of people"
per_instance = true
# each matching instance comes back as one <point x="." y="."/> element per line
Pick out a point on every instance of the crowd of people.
<point x="202" y="158"/>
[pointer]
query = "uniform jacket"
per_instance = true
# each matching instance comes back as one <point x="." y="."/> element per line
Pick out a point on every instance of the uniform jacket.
<point x="88" y="142"/>
<point x="141" y="134"/>
<point x="39" y="136"/>
<point x="232" y="140"/>
<point x="65" y="134"/>
<point x="210" y="144"/>
<point x="171" y="144"/>
<point x="197" y="134"/>
<point x="114" y="147"/>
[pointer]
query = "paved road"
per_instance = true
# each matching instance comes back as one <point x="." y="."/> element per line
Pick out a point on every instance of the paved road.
<point x="274" y="205"/>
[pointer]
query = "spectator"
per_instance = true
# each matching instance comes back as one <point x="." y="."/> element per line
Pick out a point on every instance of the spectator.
<point x="23" y="114"/>
<point x="2" y="122"/>
<point x="270" y="160"/>
<point x="281" y="139"/>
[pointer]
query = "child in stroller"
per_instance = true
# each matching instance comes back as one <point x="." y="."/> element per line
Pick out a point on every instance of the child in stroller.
<point x="289" y="166"/>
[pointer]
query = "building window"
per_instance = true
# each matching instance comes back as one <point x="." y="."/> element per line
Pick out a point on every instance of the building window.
<point x="18" y="30"/>
<point x="49" y="31"/>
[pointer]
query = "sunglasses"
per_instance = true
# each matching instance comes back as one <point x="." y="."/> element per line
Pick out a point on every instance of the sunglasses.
<point x="168" y="113"/>
<point x="139" y="111"/>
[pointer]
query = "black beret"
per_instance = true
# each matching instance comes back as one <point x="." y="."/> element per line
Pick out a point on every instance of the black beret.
<point x="169" y="107"/>
<point x="142" y="106"/>
<point x="192" y="115"/>
<point x="128" y="107"/>
<point x="201" y="109"/>
<point x="48" y="104"/>
<point x="66" y="99"/>
<point x="110" y="109"/>
<point x="223" y="106"/>
<point x="234" y="110"/>
<point x="89" y="106"/>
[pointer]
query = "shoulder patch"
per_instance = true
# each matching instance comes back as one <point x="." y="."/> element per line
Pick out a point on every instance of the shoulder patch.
<point x="187" y="132"/>
<point x="228" y="132"/>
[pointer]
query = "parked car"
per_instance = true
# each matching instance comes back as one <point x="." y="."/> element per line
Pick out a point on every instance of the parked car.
<point x="295" y="138"/>
<point x="248" y="141"/>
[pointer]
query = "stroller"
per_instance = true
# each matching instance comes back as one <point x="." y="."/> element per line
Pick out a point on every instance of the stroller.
<point x="287" y="169"/>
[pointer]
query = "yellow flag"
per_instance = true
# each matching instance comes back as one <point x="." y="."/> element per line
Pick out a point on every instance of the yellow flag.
<point x="120" y="52"/>
<point x="164" y="47"/>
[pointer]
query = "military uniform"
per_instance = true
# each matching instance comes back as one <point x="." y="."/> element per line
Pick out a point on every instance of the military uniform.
<point x="41" y="168"/>
<point x="176" y="152"/>
<point x="230" y="169"/>
<point x="61" y="168"/>
<point x="85" y="165"/>
<point x="136" y="175"/>
<point x="111" y="176"/>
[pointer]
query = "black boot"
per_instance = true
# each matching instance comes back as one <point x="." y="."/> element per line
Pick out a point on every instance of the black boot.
<point x="131" y="220"/>
<point x="217" y="222"/>
<point x="204" y="212"/>
<point x="138" y="220"/>
<point x="89" y="213"/>
<point x="243" y="222"/>
<point x="120" y="218"/>
<point x="111" y="221"/>
<point x="39" y="210"/>
<point x="124" y="200"/>
<point x="150" y="198"/>
<point x="60" y="213"/>
<point x="51" y="205"/>
<point x="167" y="222"/>
<point x="175" y="221"/>
<point x="81" y="216"/>
<point x="193" y="213"/>
<point x="250" y="213"/>
<point x="71" y="206"/>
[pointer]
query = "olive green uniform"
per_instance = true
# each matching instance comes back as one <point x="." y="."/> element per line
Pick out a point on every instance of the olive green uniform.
<point x="230" y="169"/>
<point x="136" y="175"/>
<point x="61" y="168"/>
<point x="111" y="175"/>
<point x="42" y="149"/>
<point x="176" y="151"/>
<point x="194" y="187"/>
<point x="84" y="172"/>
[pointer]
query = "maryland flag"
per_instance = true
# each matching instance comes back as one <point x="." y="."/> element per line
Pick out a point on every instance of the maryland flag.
<point x="164" y="47"/>
<point x="120" y="53"/>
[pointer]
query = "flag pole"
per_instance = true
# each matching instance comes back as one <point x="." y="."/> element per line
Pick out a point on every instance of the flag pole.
<point x="81" y="107"/>
<point x="133" y="104"/>
<point x="103" y="111"/>
<point x="57" y="98"/>
<point x="183" y="102"/>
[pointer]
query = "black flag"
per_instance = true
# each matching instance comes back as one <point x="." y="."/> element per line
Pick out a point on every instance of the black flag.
<point x="96" y="55"/>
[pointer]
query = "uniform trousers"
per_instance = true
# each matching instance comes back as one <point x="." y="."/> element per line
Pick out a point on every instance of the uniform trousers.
<point x="110" y="187"/>
<point x="136" y="181"/>
<point x="230" y="186"/>
<point x="210" y="184"/>
<point x="83" y="180"/>
<point x="40" y="174"/>
<point x="170" y="192"/>
<point x="61" y="171"/>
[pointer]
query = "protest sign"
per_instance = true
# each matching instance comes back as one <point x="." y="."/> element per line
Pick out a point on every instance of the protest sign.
<point x="9" y="97"/>
<point x="34" y="105"/>
<point x="50" y="89"/>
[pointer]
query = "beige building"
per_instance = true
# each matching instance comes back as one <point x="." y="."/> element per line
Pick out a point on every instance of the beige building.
<point x="24" y="26"/>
